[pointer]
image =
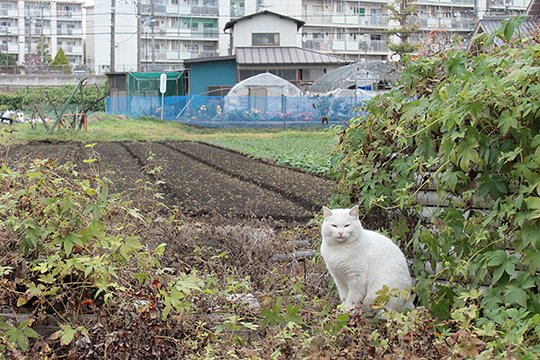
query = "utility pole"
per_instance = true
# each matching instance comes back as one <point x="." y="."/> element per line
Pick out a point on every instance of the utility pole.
<point x="30" y="40"/>
<point x="139" y="23"/>
<point x="42" y="35"/>
<point x="113" y="40"/>
<point x="152" y="32"/>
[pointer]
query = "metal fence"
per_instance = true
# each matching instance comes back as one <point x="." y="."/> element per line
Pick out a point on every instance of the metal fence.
<point x="241" y="111"/>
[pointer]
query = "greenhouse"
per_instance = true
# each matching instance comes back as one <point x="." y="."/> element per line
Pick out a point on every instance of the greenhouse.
<point x="263" y="92"/>
<point x="370" y="76"/>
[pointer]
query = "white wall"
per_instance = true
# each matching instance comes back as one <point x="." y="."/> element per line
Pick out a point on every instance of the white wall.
<point x="125" y="36"/>
<point x="266" y="23"/>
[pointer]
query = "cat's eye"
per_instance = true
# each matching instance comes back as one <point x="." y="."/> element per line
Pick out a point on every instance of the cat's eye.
<point x="347" y="225"/>
<point x="334" y="225"/>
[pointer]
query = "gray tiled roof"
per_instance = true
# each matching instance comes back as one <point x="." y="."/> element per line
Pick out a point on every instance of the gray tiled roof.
<point x="285" y="55"/>
<point x="534" y="8"/>
<point x="490" y="24"/>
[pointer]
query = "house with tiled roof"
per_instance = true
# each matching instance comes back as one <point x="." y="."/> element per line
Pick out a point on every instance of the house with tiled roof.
<point x="262" y="42"/>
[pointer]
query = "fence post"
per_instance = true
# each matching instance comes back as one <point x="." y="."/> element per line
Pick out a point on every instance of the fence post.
<point x="284" y="110"/>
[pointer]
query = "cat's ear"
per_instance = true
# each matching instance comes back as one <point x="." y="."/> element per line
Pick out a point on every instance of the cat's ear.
<point x="354" y="211"/>
<point x="326" y="211"/>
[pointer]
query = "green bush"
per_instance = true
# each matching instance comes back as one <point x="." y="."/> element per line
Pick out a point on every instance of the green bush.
<point x="61" y="61"/>
<point x="466" y="129"/>
<point x="91" y="99"/>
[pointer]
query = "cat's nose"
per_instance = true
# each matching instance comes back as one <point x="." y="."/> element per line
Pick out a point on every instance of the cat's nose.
<point x="340" y="233"/>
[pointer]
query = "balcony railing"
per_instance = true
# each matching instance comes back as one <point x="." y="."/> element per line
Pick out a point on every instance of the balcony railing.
<point x="508" y="3"/>
<point x="204" y="11"/>
<point x="465" y="24"/>
<point x="204" y="53"/>
<point x="378" y="46"/>
<point x="447" y="2"/>
<point x="237" y="13"/>
<point x="211" y="33"/>
<point x="316" y="44"/>
<point x="73" y="50"/>
<point x="9" y="13"/>
<point x="346" y="19"/>
<point x="69" y="32"/>
<point x="9" y="30"/>
<point x="9" y="48"/>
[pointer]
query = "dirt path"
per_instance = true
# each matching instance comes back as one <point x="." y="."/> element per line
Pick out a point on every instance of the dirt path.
<point x="198" y="177"/>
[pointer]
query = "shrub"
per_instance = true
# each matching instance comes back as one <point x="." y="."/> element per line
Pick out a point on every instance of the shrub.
<point x="61" y="61"/>
<point x="463" y="130"/>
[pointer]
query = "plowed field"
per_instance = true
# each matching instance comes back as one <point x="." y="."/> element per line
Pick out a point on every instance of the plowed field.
<point x="198" y="177"/>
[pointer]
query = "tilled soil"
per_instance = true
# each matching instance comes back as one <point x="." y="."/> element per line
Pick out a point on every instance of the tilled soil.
<point x="198" y="177"/>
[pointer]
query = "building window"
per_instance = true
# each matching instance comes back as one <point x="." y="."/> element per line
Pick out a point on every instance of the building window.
<point x="359" y="11"/>
<point x="265" y="39"/>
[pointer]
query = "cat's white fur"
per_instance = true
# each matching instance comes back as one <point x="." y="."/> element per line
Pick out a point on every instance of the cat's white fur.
<point x="362" y="261"/>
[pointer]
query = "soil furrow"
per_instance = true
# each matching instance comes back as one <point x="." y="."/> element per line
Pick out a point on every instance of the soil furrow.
<point x="199" y="178"/>
<point x="196" y="185"/>
<point x="268" y="177"/>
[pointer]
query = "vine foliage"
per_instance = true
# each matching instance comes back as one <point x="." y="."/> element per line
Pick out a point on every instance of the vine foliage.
<point x="452" y="158"/>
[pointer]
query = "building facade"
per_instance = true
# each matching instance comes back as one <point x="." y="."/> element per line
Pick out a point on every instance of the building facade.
<point x="31" y="31"/>
<point x="360" y="29"/>
<point x="157" y="35"/>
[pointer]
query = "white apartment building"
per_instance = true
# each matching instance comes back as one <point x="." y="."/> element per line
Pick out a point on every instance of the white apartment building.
<point x="157" y="35"/>
<point x="28" y="28"/>
<point x="358" y="29"/>
<point x="165" y="32"/>
<point x="173" y="30"/>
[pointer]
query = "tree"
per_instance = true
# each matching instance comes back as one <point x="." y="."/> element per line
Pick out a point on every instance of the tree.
<point x="402" y="12"/>
<point x="61" y="61"/>
<point x="43" y="51"/>
<point x="7" y="60"/>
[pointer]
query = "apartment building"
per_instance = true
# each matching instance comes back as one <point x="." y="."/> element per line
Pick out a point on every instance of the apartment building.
<point x="30" y="29"/>
<point x="359" y="29"/>
<point x="156" y="35"/>
<point x="165" y="32"/>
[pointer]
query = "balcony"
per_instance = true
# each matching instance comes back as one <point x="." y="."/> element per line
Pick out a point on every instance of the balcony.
<point x="9" y="13"/>
<point x="316" y="44"/>
<point x="73" y="50"/>
<point x="9" y="48"/>
<point x="509" y="3"/>
<point x="345" y="45"/>
<point x="329" y="18"/>
<point x="377" y="46"/>
<point x="9" y="30"/>
<point x="203" y="54"/>
<point x="236" y="13"/>
<point x="69" y="32"/>
<point x="75" y="15"/>
<point x="204" y="11"/>
<point x="449" y="24"/>
<point x="178" y="9"/>
<point x="447" y="2"/>
<point x="211" y="33"/>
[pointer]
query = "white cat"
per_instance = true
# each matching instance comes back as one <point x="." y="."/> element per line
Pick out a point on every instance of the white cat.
<point x="362" y="261"/>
